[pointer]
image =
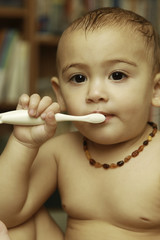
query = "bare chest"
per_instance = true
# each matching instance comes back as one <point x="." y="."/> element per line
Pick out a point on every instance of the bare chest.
<point x="128" y="196"/>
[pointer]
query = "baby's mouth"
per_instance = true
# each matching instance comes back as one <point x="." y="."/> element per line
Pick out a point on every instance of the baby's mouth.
<point x="108" y="116"/>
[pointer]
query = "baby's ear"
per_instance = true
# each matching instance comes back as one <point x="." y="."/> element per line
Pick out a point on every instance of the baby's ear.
<point x="57" y="91"/>
<point x="156" y="91"/>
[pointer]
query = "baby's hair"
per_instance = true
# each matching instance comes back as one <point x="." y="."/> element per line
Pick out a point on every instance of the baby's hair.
<point x="105" y="17"/>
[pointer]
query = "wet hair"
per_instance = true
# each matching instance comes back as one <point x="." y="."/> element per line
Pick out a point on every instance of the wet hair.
<point x="117" y="17"/>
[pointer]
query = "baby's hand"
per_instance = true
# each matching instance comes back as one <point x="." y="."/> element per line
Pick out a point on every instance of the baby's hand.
<point x="34" y="136"/>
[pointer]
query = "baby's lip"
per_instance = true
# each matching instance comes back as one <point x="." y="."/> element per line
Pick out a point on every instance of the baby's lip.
<point x="104" y="113"/>
<point x="108" y="116"/>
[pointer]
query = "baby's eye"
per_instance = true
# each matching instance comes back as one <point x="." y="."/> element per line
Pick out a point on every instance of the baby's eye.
<point x="117" y="76"/>
<point x="78" y="78"/>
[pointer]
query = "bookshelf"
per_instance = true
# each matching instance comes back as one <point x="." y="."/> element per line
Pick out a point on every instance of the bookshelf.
<point x="42" y="47"/>
<point x="18" y="18"/>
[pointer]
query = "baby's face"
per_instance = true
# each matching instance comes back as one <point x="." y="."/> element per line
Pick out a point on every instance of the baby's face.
<point x="106" y="71"/>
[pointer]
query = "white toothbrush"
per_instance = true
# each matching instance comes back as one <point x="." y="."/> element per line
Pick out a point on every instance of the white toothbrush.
<point x="21" y="117"/>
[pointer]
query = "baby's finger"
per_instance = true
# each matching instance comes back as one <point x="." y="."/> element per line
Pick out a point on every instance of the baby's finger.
<point x="49" y="113"/>
<point x="33" y="104"/>
<point x="43" y="105"/>
<point x="23" y="102"/>
<point x="50" y="124"/>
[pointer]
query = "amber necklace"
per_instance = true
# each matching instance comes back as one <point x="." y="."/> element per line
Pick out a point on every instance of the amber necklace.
<point x="126" y="159"/>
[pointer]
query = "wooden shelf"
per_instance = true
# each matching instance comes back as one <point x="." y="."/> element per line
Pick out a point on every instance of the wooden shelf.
<point x="4" y="107"/>
<point x="42" y="46"/>
<point x="12" y="12"/>
<point x="46" y="39"/>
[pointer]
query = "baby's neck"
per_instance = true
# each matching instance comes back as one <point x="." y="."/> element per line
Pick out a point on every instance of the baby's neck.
<point x="95" y="153"/>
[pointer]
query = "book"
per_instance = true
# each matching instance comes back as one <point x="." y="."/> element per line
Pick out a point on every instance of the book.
<point x="17" y="77"/>
<point x="7" y="46"/>
<point x="14" y="66"/>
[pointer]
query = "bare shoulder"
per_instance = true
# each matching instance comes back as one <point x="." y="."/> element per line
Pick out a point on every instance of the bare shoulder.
<point x="68" y="138"/>
<point x="60" y="143"/>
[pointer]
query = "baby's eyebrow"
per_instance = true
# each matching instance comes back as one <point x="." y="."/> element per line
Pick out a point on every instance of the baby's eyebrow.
<point x="109" y="62"/>
<point x="121" y="60"/>
<point x="64" y="69"/>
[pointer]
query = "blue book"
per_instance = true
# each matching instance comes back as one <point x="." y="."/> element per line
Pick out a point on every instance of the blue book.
<point x="116" y="3"/>
<point x="6" y="45"/>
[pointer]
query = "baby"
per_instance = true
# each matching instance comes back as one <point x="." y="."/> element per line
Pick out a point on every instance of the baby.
<point x="108" y="174"/>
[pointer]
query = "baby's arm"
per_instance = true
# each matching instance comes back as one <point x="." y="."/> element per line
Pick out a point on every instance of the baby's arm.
<point x="28" y="172"/>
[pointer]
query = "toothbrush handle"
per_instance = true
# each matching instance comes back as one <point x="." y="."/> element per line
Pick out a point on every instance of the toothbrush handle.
<point x="21" y="117"/>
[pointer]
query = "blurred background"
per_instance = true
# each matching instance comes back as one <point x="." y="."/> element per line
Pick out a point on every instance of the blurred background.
<point x="29" y="34"/>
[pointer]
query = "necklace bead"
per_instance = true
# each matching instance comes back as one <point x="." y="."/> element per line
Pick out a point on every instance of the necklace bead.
<point x="126" y="159"/>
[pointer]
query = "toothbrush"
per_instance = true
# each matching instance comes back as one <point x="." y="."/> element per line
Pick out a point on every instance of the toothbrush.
<point x="21" y="117"/>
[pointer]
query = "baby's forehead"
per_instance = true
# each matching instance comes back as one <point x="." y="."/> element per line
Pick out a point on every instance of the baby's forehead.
<point x="78" y="43"/>
<point x="74" y="37"/>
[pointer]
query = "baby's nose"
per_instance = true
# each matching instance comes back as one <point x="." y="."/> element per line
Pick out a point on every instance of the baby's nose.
<point x="97" y="92"/>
